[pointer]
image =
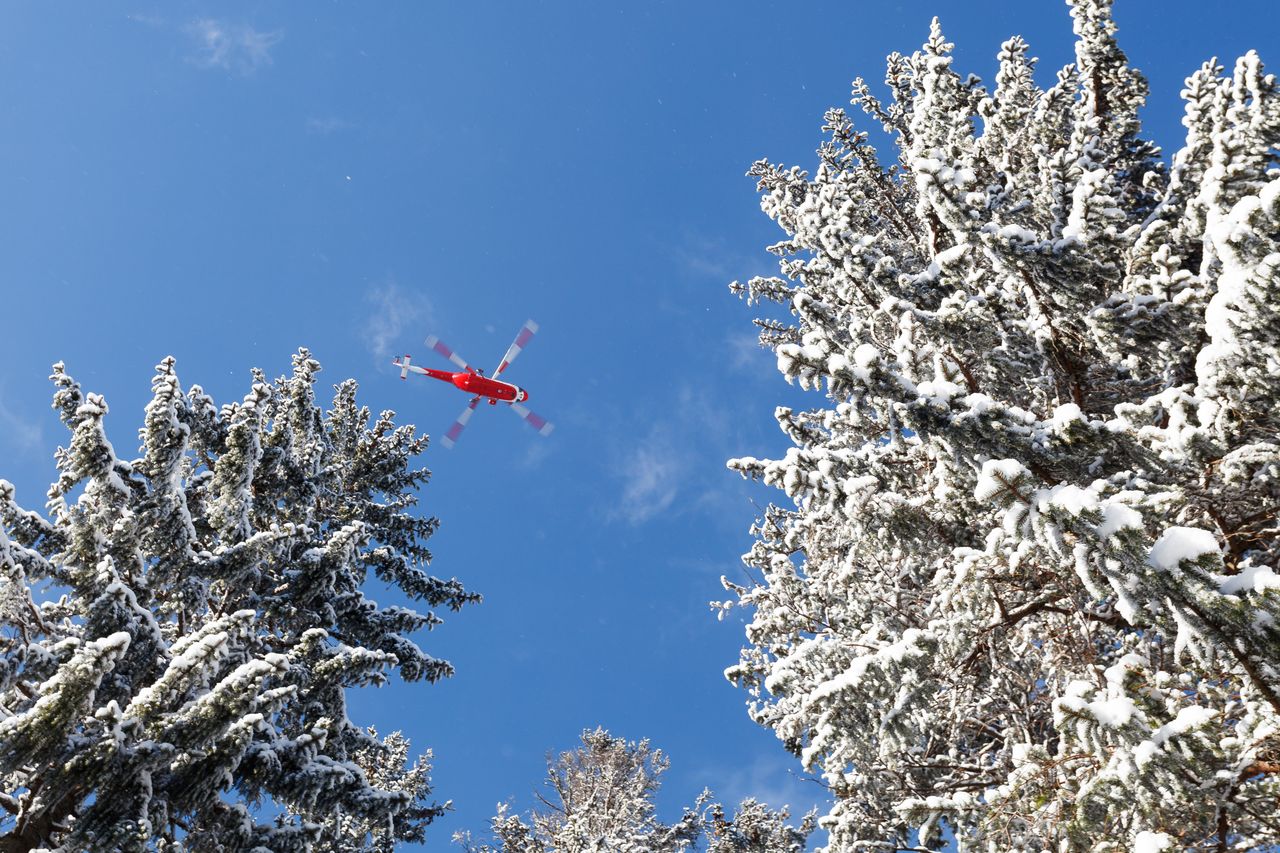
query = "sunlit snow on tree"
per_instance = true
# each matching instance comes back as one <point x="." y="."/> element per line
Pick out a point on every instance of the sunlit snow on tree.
<point x="600" y="800"/>
<point x="185" y="690"/>
<point x="1026" y="588"/>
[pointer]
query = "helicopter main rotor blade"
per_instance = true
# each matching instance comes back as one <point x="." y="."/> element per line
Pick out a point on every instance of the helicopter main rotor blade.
<point x="450" y="438"/>
<point x="541" y="424"/>
<point x="443" y="348"/>
<point x="522" y="338"/>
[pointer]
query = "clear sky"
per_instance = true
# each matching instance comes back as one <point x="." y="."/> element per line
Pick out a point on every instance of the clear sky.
<point x="225" y="182"/>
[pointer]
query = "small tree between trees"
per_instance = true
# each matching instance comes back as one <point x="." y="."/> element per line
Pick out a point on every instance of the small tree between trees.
<point x="1026" y="586"/>
<point x="177" y="681"/>
<point x="601" y="801"/>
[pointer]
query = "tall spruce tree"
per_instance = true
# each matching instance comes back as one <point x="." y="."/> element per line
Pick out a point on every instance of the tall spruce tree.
<point x="600" y="800"/>
<point x="1026" y="585"/>
<point x="177" y="632"/>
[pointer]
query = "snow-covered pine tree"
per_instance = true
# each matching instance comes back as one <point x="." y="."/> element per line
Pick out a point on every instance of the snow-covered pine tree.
<point x="185" y="690"/>
<point x="1026" y="588"/>
<point x="756" y="828"/>
<point x="385" y="764"/>
<point x="601" y="801"/>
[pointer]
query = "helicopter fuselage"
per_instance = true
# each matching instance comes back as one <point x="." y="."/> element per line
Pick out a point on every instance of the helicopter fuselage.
<point x="481" y="386"/>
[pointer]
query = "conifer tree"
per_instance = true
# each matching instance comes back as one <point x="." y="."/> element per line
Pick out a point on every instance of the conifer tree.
<point x="1025" y="584"/>
<point x="177" y="631"/>
<point x="601" y="801"/>
<point x="756" y="828"/>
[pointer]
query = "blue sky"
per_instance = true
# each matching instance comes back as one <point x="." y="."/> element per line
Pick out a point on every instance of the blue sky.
<point x="225" y="182"/>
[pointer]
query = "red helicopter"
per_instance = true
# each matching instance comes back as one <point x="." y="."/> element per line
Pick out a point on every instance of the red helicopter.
<point x="473" y="381"/>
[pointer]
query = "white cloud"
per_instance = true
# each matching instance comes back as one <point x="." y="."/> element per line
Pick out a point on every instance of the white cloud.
<point x="154" y="21"/>
<point x="650" y="474"/>
<point x="237" y="48"/>
<point x="703" y="261"/>
<point x="745" y="352"/>
<point x="773" y="779"/>
<point x="325" y="125"/>
<point x="536" y="453"/>
<point x="394" y="311"/>
<point x="709" y="257"/>
<point x="678" y="465"/>
<point x="19" y="432"/>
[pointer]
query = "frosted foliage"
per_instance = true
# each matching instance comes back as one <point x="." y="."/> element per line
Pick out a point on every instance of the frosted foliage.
<point x="600" y="800"/>
<point x="184" y="690"/>
<point x="385" y="764"/>
<point x="755" y="828"/>
<point x="1024" y="586"/>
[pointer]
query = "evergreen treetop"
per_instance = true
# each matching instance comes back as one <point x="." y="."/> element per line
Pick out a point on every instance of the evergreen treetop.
<point x="185" y="689"/>
<point x="1026" y="586"/>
